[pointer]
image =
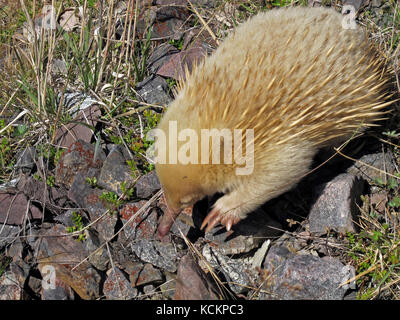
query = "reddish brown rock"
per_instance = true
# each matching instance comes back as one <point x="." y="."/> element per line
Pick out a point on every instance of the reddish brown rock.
<point x="117" y="286"/>
<point x="192" y="283"/>
<point x="78" y="158"/>
<point x="143" y="226"/>
<point x="15" y="209"/>
<point x="79" y="128"/>
<point x="61" y="251"/>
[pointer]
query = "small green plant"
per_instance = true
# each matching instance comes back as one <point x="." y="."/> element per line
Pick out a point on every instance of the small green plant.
<point x="176" y="43"/>
<point x="376" y="255"/>
<point x="50" y="181"/>
<point x="127" y="192"/>
<point x="92" y="181"/>
<point x="111" y="200"/>
<point x="77" y="227"/>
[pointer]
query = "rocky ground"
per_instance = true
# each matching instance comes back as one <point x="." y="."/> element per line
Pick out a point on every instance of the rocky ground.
<point x="87" y="229"/>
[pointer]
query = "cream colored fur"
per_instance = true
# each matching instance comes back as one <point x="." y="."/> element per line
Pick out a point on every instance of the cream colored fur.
<point x="296" y="77"/>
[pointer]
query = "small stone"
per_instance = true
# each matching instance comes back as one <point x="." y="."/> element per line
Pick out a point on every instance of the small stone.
<point x="133" y="269"/>
<point x="147" y="185"/>
<point x="115" y="172"/>
<point x="59" y="291"/>
<point x="373" y="166"/>
<point x="161" y="255"/>
<point x="117" y="286"/>
<point x="143" y="226"/>
<point x="66" y="218"/>
<point x="26" y="160"/>
<point x="149" y="275"/>
<point x="175" y="66"/>
<point x="79" y="127"/>
<point x="15" y="209"/>
<point x="149" y="290"/>
<point x="290" y="276"/>
<point x="160" y="55"/>
<point x="168" y="287"/>
<point x="97" y="252"/>
<point x="78" y="158"/>
<point x="9" y="287"/>
<point x="336" y="205"/>
<point x="61" y="253"/>
<point x="52" y="198"/>
<point x="192" y="283"/>
<point x="8" y="234"/>
<point x="90" y="199"/>
<point x="237" y="271"/>
<point x="154" y="90"/>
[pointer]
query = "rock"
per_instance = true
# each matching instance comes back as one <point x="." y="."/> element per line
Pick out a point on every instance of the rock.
<point x="355" y="3"/>
<point x="373" y="166"/>
<point x="149" y="290"/>
<point x="184" y="221"/>
<point x="90" y="199"/>
<point x="63" y="253"/>
<point x="144" y="226"/>
<point x="246" y="235"/>
<point x="165" y="21"/>
<point x="168" y="287"/>
<point x="8" y="234"/>
<point x="68" y="20"/>
<point x="161" y="255"/>
<point x="60" y="291"/>
<point x="117" y="286"/>
<point x="17" y="250"/>
<point x="147" y="185"/>
<point x="238" y="272"/>
<point x="20" y="271"/>
<point x="99" y="257"/>
<point x="379" y="201"/>
<point x="175" y="66"/>
<point x="15" y="209"/>
<point x="289" y="276"/>
<point x="196" y="3"/>
<point x="51" y="198"/>
<point x="79" y="128"/>
<point x="133" y="269"/>
<point x="66" y="217"/>
<point x="149" y="275"/>
<point x="9" y="287"/>
<point x="26" y="160"/>
<point x="115" y="172"/>
<point x="78" y="158"/>
<point x="193" y="284"/>
<point x="160" y="55"/>
<point x="336" y="205"/>
<point x="154" y="90"/>
<point x="59" y="66"/>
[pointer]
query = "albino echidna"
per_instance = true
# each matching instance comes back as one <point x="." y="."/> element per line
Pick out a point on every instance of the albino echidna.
<point x="298" y="78"/>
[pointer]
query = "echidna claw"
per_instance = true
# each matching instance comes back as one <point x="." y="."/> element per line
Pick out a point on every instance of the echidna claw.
<point x="215" y="217"/>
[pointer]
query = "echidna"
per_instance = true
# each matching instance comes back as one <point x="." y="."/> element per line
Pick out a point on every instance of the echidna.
<point x="298" y="78"/>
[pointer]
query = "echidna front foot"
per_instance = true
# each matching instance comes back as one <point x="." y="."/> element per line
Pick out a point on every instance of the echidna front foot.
<point x="217" y="215"/>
